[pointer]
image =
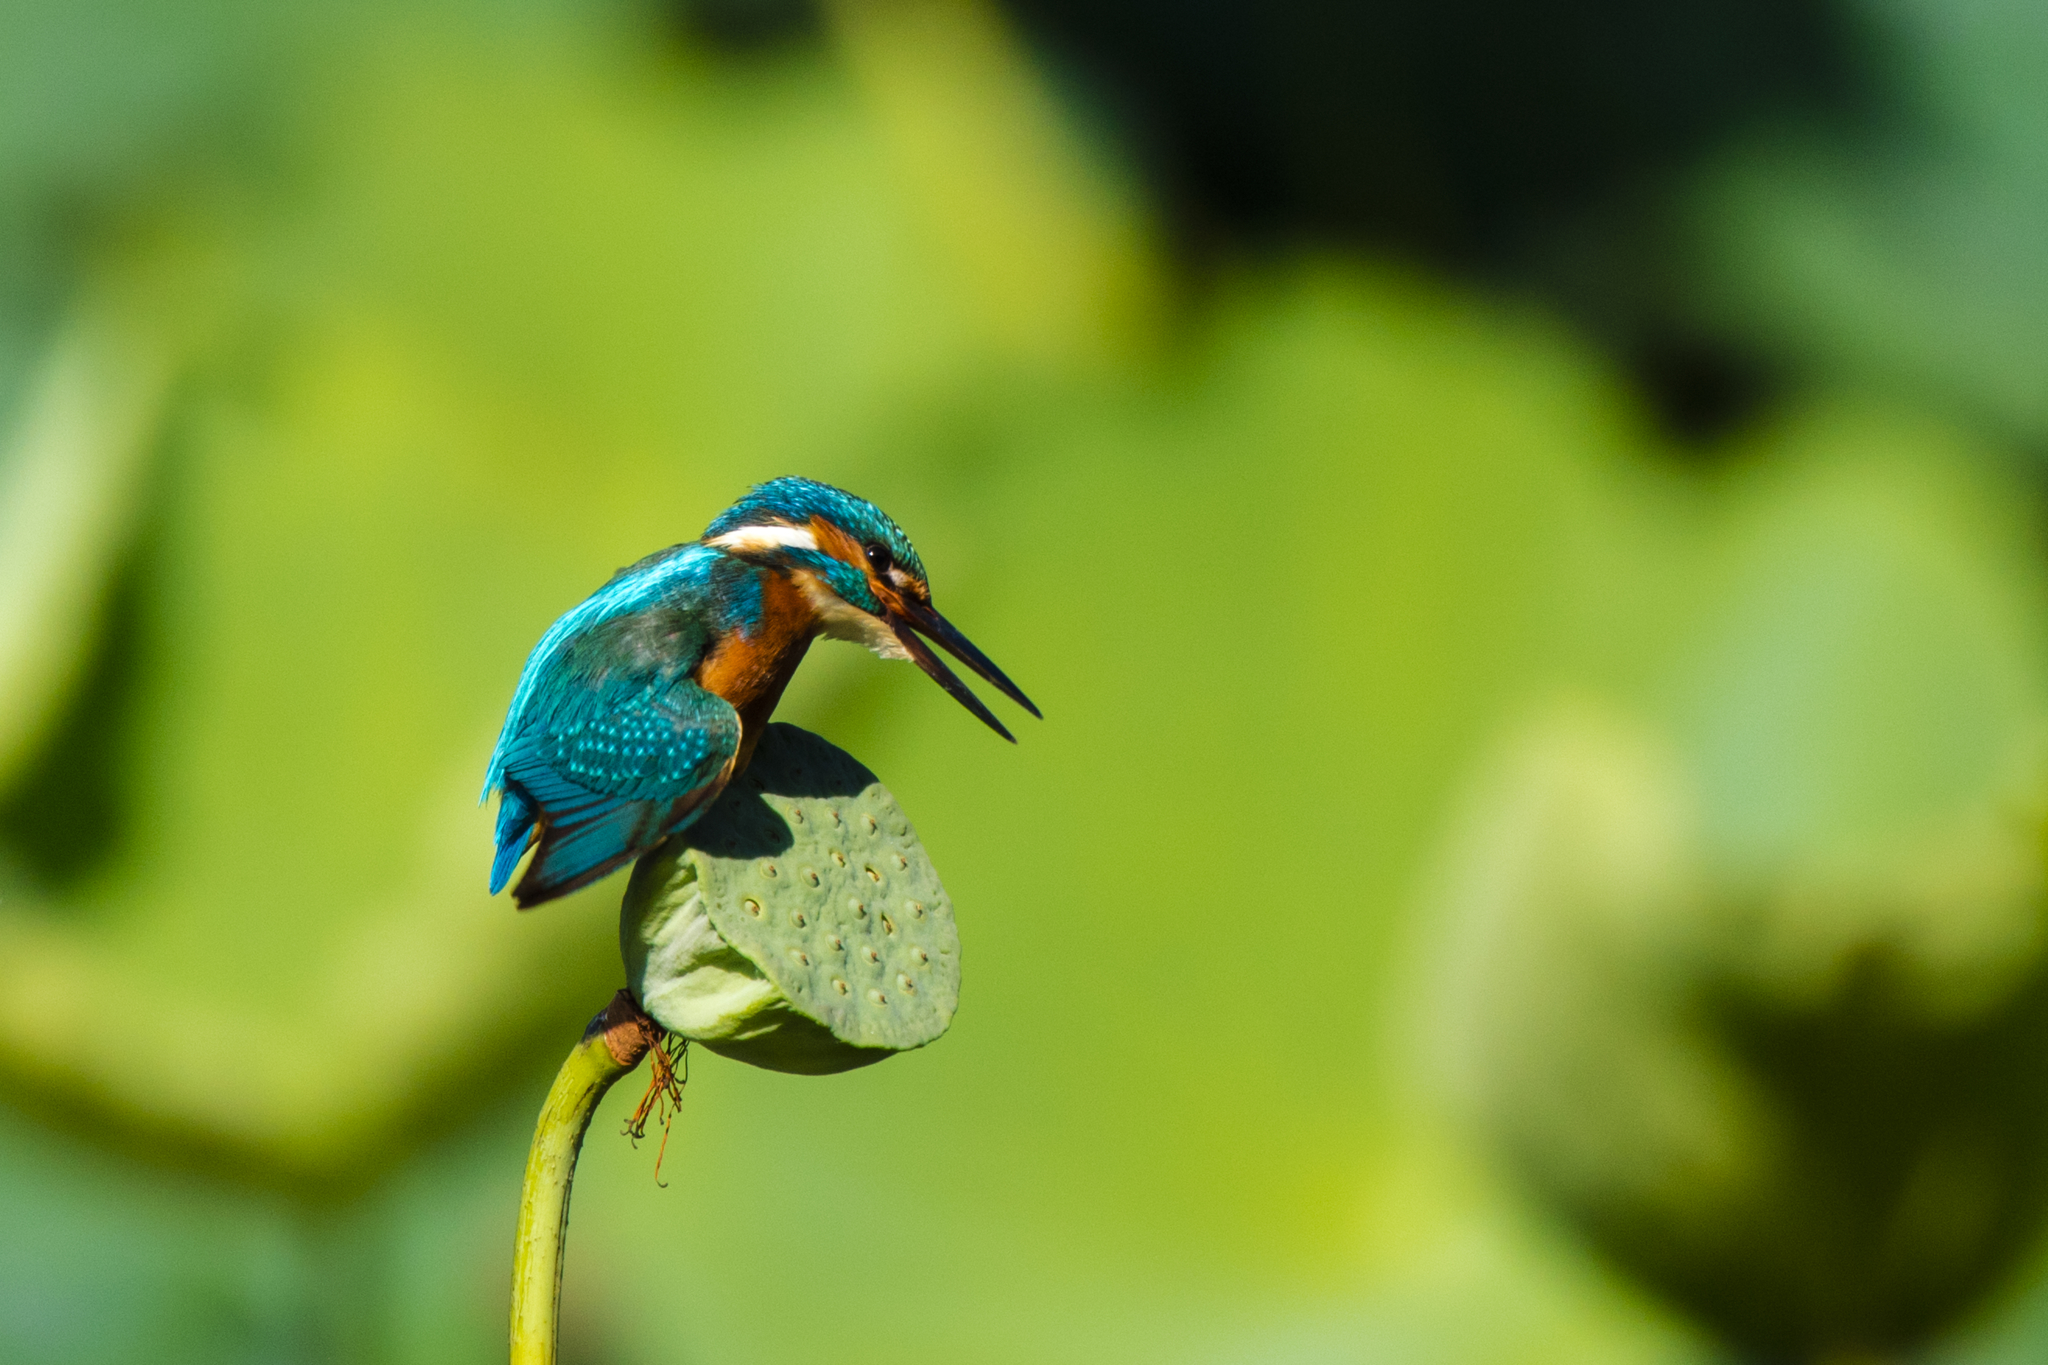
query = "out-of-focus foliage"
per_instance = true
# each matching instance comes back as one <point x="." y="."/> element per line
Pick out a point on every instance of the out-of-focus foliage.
<point x="333" y="407"/>
<point x="1911" y="253"/>
<point x="1757" y="994"/>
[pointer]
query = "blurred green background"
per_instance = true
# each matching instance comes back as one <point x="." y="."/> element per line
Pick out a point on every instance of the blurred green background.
<point x="1523" y="521"/>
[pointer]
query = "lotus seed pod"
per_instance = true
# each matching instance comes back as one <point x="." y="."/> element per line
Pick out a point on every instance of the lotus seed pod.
<point x="798" y="925"/>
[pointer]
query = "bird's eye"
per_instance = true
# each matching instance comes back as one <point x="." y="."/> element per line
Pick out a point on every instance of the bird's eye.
<point x="878" y="556"/>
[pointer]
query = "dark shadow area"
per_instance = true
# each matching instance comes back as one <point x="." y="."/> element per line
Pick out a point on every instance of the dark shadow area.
<point x="1447" y="129"/>
<point x="1700" y="388"/>
<point x="740" y="824"/>
<point x="1913" y="1175"/>
<point x="745" y="25"/>
<point x="1465" y="134"/>
<point x="791" y="761"/>
<point x="788" y="762"/>
<point x="1468" y="134"/>
<point x="69" y="808"/>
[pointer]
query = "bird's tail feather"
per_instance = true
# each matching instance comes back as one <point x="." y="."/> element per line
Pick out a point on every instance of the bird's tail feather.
<point x="585" y="835"/>
<point x="582" y="835"/>
<point x="581" y="845"/>
<point x="517" y="817"/>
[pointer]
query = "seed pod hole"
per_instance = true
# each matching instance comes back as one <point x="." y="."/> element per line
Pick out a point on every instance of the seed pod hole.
<point x="832" y="984"/>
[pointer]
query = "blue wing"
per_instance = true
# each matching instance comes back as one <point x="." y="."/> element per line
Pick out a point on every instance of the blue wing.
<point x="612" y="771"/>
<point x="677" y="579"/>
<point x="608" y="747"/>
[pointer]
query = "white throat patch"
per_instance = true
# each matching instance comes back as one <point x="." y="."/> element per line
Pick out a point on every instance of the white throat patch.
<point x="844" y="621"/>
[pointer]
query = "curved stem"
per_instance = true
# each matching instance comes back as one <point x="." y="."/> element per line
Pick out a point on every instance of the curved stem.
<point x="612" y="1045"/>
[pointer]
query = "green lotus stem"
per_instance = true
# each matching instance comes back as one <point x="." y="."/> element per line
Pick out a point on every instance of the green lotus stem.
<point x="612" y="1045"/>
<point x="800" y="928"/>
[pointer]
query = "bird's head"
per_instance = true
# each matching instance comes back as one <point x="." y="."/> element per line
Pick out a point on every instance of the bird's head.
<point x="860" y="575"/>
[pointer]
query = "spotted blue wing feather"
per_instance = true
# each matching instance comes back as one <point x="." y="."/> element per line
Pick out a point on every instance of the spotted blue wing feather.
<point x="596" y="641"/>
<point x="615" y="770"/>
<point x="608" y="746"/>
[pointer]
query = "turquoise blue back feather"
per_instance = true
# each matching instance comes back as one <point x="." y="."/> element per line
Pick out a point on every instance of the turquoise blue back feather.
<point x="609" y="747"/>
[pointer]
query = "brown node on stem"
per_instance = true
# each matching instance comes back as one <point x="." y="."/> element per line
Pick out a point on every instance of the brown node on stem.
<point x="628" y="1033"/>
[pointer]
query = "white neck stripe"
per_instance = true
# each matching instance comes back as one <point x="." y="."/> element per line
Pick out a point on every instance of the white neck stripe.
<point x="748" y="538"/>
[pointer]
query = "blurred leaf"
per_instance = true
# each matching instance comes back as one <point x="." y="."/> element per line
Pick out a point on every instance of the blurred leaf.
<point x="1041" y="241"/>
<point x="68" y="485"/>
<point x="1757" y="994"/>
<point x="1914" y="252"/>
<point x="103" y="103"/>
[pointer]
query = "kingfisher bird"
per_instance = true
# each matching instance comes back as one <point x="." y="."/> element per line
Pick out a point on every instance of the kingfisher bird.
<point x="643" y="701"/>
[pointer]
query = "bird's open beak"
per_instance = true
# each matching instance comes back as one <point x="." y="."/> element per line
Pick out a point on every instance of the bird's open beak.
<point x="919" y="616"/>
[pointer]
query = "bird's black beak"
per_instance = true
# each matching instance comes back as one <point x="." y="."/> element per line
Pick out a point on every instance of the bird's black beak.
<point x="919" y="616"/>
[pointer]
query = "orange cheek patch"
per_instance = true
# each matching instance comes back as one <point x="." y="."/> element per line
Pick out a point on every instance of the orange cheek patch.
<point x="841" y="546"/>
<point x="835" y="542"/>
